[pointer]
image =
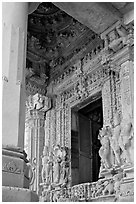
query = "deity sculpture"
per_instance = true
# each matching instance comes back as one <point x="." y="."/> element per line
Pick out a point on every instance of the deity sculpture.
<point x="109" y="187"/>
<point x="57" y="164"/>
<point x="104" y="151"/>
<point x="38" y="101"/>
<point x="47" y="164"/>
<point x="117" y="38"/>
<point x="121" y="139"/>
<point x="33" y="174"/>
<point x="64" y="169"/>
<point x="117" y="182"/>
<point x="114" y="138"/>
<point x="126" y="138"/>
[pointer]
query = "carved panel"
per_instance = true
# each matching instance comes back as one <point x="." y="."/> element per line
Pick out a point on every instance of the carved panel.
<point x="106" y="97"/>
<point x="126" y="88"/>
<point x="11" y="167"/>
<point x="53" y="127"/>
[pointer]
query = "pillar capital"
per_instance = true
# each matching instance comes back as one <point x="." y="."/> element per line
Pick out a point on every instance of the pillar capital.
<point x="38" y="102"/>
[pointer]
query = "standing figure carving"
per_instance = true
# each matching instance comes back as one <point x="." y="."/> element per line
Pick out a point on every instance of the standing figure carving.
<point x="47" y="164"/>
<point x="104" y="151"/>
<point x="114" y="139"/>
<point x="57" y="164"/>
<point x="121" y="139"/>
<point x="60" y="167"/>
<point x="126" y="139"/>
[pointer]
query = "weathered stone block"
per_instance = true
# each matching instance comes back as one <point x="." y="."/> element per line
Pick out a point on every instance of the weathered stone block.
<point x="108" y="198"/>
<point x="14" y="169"/>
<point x="17" y="180"/>
<point x="14" y="194"/>
<point x="127" y="191"/>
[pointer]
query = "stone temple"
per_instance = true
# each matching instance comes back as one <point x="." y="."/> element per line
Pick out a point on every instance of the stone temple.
<point x="68" y="102"/>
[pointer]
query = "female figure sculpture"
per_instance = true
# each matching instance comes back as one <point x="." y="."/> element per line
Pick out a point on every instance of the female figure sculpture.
<point x="126" y="136"/>
<point x="57" y="162"/>
<point x="46" y="167"/>
<point x="105" y="148"/>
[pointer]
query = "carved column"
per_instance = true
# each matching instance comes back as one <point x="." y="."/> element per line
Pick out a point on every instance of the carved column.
<point x="37" y="106"/>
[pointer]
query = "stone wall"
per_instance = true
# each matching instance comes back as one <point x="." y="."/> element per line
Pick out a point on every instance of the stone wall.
<point x="105" y="72"/>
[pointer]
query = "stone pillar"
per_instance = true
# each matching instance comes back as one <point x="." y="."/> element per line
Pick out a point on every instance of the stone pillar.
<point x="14" y="57"/>
<point x="15" y="171"/>
<point x="13" y="100"/>
<point x="37" y="106"/>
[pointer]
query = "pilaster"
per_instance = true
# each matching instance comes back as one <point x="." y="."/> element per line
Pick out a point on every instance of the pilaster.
<point x="36" y="108"/>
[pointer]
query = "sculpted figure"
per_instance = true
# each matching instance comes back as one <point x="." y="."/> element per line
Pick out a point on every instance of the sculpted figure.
<point x="126" y="138"/>
<point x="117" y="181"/>
<point x="99" y="188"/>
<point x="43" y="173"/>
<point x="41" y="102"/>
<point x="109" y="187"/>
<point x="46" y="170"/>
<point x="64" y="168"/>
<point x="105" y="148"/>
<point x="57" y="164"/>
<point x="117" y="38"/>
<point x="38" y="101"/>
<point x="46" y="167"/>
<point x="33" y="175"/>
<point x="114" y="138"/>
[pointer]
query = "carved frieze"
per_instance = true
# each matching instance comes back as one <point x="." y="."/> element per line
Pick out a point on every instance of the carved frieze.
<point x="32" y="88"/>
<point x="55" y="167"/>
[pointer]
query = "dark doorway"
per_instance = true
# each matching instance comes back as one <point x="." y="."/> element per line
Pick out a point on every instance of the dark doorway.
<point x="85" y="144"/>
